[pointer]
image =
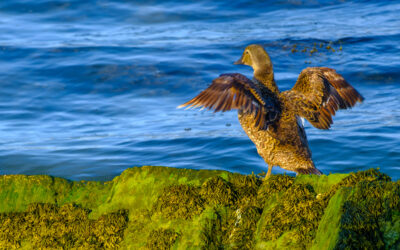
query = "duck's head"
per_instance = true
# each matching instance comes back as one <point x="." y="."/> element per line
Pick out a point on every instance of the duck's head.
<point x="256" y="57"/>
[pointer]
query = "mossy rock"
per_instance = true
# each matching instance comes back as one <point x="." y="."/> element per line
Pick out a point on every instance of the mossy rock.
<point x="167" y="208"/>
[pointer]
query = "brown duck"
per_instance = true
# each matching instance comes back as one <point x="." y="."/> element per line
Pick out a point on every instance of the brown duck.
<point x="272" y="118"/>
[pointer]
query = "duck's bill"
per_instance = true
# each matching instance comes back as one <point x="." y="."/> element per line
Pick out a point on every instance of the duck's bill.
<point x="239" y="61"/>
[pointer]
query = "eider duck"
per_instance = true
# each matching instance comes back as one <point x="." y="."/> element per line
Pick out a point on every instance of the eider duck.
<point x="272" y="119"/>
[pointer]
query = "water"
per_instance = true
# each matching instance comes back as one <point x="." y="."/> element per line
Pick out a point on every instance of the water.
<point x="90" y="88"/>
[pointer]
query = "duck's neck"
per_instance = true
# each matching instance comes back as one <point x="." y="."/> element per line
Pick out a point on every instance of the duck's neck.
<point x="266" y="77"/>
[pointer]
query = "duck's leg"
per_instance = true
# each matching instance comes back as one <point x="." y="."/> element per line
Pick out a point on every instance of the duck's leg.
<point x="269" y="171"/>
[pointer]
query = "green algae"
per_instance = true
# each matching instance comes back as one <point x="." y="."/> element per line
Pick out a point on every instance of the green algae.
<point x="18" y="191"/>
<point x="329" y="225"/>
<point x="213" y="229"/>
<point x="163" y="208"/>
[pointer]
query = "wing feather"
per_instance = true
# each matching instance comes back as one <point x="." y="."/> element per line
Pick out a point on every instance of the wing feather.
<point x="235" y="91"/>
<point x="319" y="93"/>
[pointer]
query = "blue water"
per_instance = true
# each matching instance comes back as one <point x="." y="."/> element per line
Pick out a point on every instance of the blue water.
<point x="90" y="88"/>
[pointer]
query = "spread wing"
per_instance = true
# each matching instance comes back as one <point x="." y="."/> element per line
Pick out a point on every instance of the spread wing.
<point x="235" y="91"/>
<point x="319" y="93"/>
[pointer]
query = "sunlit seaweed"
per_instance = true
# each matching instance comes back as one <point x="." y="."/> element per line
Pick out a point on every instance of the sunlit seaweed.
<point x="246" y="187"/>
<point x="218" y="191"/>
<point x="298" y="209"/>
<point x="50" y="226"/>
<point x="161" y="239"/>
<point x="274" y="184"/>
<point x="189" y="209"/>
<point x="182" y="201"/>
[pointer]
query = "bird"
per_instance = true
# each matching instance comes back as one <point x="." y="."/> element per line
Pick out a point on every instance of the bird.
<point x="274" y="120"/>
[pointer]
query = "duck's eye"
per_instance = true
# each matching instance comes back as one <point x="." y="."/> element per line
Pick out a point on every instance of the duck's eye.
<point x="247" y="52"/>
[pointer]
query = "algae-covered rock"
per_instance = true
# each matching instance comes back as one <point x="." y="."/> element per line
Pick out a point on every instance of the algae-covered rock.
<point x="167" y="208"/>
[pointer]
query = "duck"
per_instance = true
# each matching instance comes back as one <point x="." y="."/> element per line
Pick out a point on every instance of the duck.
<point x="274" y="120"/>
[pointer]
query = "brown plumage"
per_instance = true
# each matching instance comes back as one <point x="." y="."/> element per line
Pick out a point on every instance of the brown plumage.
<point x="271" y="118"/>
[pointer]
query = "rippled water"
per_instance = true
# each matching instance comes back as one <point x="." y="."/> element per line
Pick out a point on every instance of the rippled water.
<point x="90" y="88"/>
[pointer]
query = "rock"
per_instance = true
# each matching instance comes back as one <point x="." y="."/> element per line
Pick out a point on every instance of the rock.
<point x="161" y="208"/>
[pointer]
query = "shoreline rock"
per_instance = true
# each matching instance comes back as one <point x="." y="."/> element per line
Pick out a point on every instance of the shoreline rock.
<point x="161" y="208"/>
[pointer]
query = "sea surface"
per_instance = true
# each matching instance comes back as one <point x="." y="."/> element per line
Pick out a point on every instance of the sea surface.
<point x="90" y="88"/>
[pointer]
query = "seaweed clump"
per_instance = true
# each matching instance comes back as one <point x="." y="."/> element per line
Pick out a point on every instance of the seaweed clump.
<point x="46" y="225"/>
<point x="180" y="201"/>
<point x="353" y="179"/>
<point x="225" y="228"/>
<point x="161" y="239"/>
<point x="274" y="184"/>
<point x="213" y="230"/>
<point x="235" y="212"/>
<point x="366" y="222"/>
<point x="245" y="214"/>
<point x="217" y="191"/>
<point x="242" y="226"/>
<point x="246" y="187"/>
<point x="298" y="209"/>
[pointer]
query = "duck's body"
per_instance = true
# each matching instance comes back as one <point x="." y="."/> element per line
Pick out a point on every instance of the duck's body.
<point x="272" y="119"/>
<point x="286" y="146"/>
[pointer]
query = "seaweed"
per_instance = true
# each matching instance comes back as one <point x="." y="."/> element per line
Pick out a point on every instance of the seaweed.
<point x="242" y="227"/>
<point x="213" y="229"/>
<point x="328" y="46"/>
<point x="299" y="210"/>
<point x="190" y="209"/>
<point x="369" y="175"/>
<point x="246" y="187"/>
<point x="181" y="201"/>
<point x="367" y="212"/>
<point x="45" y="225"/>
<point x="161" y="239"/>
<point x="235" y="214"/>
<point x="217" y="191"/>
<point x="274" y="184"/>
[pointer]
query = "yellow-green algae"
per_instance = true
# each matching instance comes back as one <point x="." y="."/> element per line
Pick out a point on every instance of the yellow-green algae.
<point x="168" y="208"/>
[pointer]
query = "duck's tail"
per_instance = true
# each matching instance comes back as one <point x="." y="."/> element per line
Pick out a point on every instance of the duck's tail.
<point x="311" y="170"/>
